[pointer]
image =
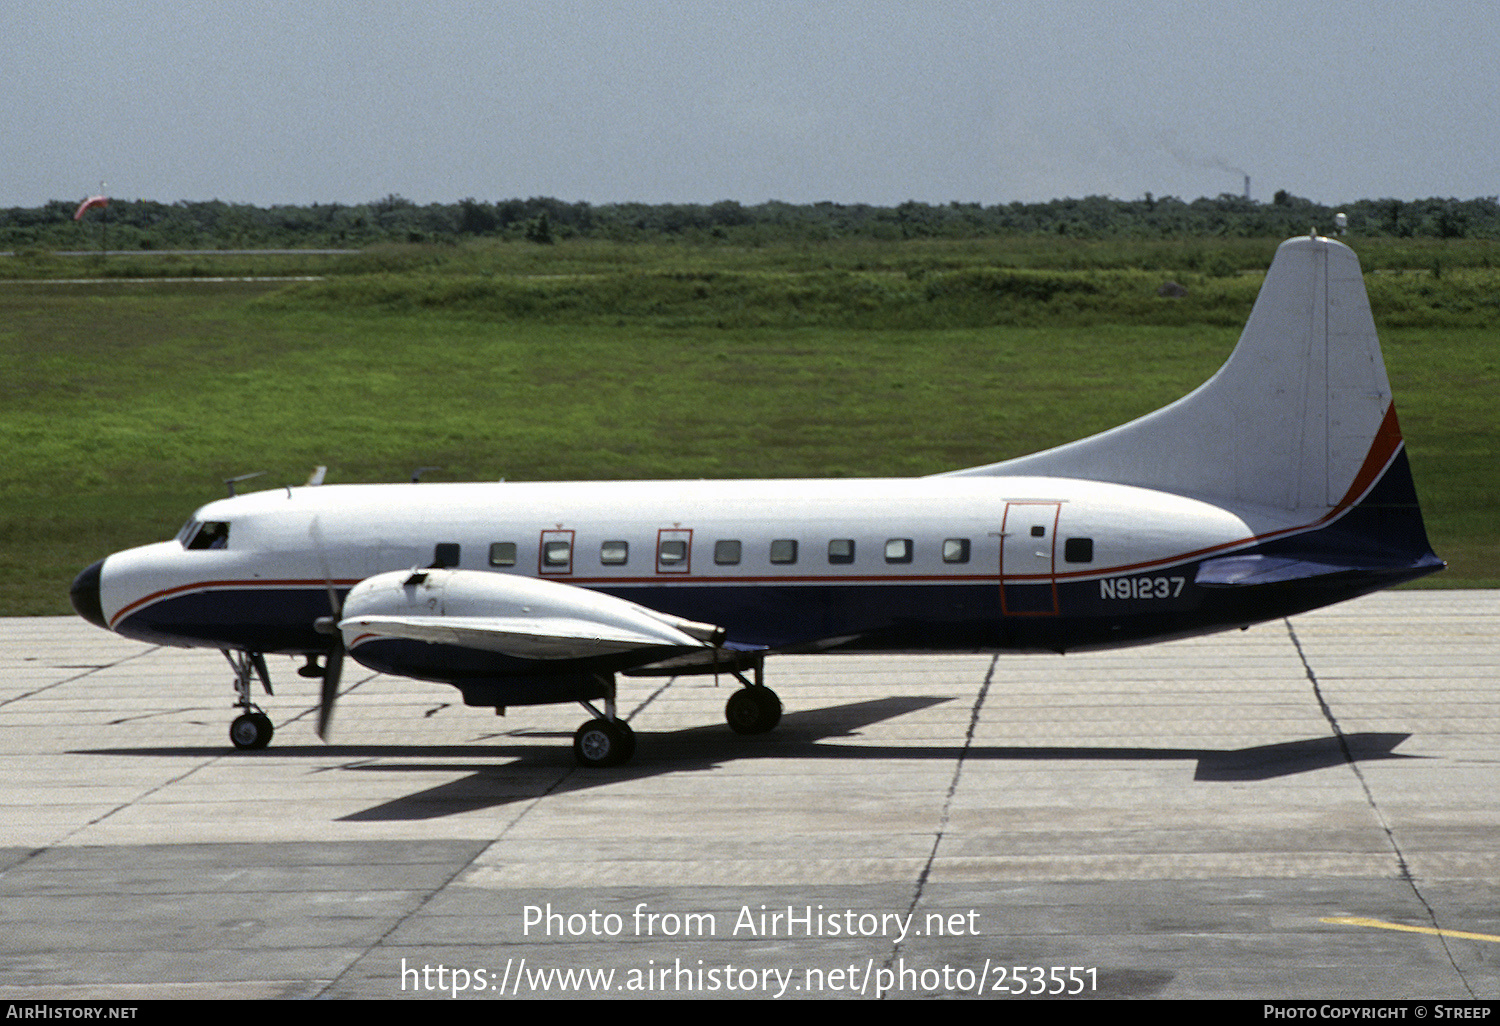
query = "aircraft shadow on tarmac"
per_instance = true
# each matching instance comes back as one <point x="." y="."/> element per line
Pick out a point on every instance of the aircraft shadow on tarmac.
<point x="798" y="737"/>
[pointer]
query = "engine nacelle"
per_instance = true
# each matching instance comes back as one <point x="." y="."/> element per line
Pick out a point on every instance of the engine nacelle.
<point x="466" y="627"/>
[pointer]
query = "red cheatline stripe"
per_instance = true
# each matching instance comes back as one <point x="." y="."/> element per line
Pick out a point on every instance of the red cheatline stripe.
<point x="210" y="585"/>
<point x="1382" y="451"/>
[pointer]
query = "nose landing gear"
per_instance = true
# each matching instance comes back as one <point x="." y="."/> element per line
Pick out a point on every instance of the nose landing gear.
<point x="251" y="729"/>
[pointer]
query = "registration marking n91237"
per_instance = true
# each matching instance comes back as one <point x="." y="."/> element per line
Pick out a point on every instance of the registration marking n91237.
<point x="1140" y="587"/>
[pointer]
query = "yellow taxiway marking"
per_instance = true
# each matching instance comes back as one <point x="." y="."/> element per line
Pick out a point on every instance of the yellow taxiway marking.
<point x="1360" y="921"/>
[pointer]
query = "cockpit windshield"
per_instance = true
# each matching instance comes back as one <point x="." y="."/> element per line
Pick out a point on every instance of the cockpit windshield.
<point x="209" y="534"/>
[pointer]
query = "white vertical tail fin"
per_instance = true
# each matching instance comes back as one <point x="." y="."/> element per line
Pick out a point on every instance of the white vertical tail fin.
<point x="1290" y="419"/>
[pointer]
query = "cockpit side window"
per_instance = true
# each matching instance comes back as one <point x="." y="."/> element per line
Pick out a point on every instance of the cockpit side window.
<point x="212" y="534"/>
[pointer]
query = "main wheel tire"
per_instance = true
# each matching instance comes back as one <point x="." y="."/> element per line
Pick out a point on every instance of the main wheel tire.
<point x="752" y="710"/>
<point x="251" y="730"/>
<point x="602" y="742"/>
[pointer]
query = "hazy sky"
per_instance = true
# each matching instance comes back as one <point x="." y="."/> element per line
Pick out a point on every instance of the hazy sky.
<point x="873" y="101"/>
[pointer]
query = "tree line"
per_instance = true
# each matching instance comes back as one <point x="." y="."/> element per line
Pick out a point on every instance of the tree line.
<point x="213" y="224"/>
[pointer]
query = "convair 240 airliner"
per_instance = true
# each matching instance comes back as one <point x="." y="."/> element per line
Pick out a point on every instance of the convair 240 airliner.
<point x="1278" y="486"/>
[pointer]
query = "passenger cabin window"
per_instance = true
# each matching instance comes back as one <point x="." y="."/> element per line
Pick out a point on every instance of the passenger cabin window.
<point x="955" y="550"/>
<point x="556" y="553"/>
<point x="213" y="534"/>
<point x="727" y="552"/>
<point x="841" y="550"/>
<point x="674" y="550"/>
<point x="784" y="550"/>
<point x="898" y="550"/>
<point x="445" y="554"/>
<point x="502" y="554"/>
<point x="1078" y="550"/>
<point x="614" y="553"/>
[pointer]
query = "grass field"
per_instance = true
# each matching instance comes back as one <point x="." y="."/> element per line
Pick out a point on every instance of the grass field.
<point x="123" y="405"/>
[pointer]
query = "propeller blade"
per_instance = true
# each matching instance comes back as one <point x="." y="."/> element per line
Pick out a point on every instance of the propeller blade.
<point x="315" y="531"/>
<point x="333" y="663"/>
<point x="333" y="670"/>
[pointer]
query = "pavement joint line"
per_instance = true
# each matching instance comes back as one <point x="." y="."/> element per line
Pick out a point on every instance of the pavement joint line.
<point x="123" y="805"/>
<point x="313" y="709"/>
<point x="80" y="676"/>
<point x="433" y="892"/>
<point x="152" y="715"/>
<point x="640" y="708"/>
<point x="90" y="824"/>
<point x="1390" y="834"/>
<point x="958" y="769"/>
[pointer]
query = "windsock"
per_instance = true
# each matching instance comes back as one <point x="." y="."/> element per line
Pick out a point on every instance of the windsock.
<point x="92" y="201"/>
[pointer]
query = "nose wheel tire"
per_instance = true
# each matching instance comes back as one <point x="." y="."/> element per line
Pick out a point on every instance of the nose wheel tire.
<point x="603" y="742"/>
<point x="252" y="730"/>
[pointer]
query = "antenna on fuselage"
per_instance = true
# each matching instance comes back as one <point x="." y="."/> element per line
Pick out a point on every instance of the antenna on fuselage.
<point x="230" y="482"/>
<point x="316" y="477"/>
<point x="416" y="475"/>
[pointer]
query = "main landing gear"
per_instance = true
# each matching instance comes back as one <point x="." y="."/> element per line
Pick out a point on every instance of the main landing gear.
<point x="604" y="740"/>
<point x="252" y="728"/>
<point x="754" y="709"/>
<point x="607" y="740"/>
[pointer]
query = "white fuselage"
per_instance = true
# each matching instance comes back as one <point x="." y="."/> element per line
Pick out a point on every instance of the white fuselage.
<point x="656" y="538"/>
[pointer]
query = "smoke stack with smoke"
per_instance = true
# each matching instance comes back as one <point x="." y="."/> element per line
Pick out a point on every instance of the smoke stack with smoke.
<point x="1187" y="159"/>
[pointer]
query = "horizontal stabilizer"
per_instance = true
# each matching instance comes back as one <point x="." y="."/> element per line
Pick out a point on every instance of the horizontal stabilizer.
<point x="1244" y="571"/>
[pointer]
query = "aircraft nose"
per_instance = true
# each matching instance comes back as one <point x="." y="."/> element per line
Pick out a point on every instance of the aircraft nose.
<point x="85" y="595"/>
